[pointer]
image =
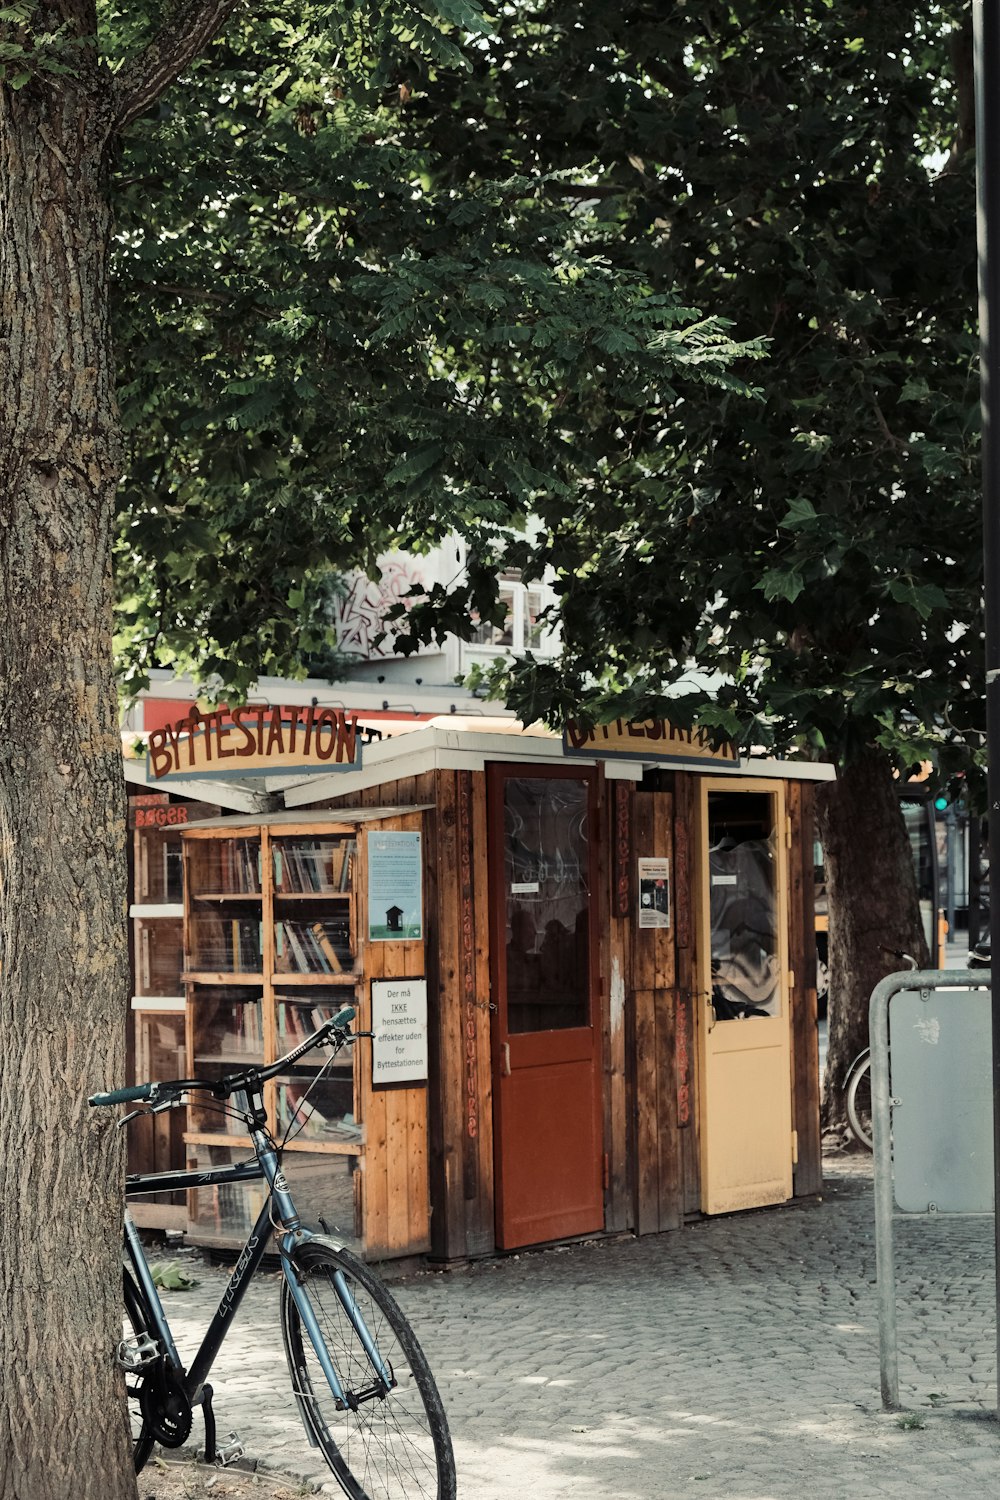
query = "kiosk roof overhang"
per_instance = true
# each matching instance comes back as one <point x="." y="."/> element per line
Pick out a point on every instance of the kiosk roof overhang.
<point x="451" y="742"/>
<point x="461" y="743"/>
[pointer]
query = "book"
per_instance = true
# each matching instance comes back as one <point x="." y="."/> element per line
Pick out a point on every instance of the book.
<point x="296" y="948"/>
<point x="327" y="948"/>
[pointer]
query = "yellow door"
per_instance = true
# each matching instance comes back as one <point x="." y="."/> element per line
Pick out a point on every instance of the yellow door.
<point x="744" y="1031"/>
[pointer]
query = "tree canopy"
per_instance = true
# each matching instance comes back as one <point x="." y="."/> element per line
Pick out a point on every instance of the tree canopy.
<point x="803" y="169"/>
<point x="334" y="338"/>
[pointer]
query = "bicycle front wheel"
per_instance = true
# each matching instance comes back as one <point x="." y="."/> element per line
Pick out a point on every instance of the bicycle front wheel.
<point x="859" y="1101"/>
<point x="381" y="1447"/>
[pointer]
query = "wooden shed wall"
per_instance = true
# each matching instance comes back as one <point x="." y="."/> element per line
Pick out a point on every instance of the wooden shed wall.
<point x="396" y="1202"/>
<point x="648" y="999"/>
<point x="662" y="996"/>
<point x="460" y="1159"/>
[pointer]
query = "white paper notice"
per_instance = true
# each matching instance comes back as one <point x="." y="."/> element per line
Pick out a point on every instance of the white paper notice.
<point x="654" y="893"/>
<point x="399" y="1021"/>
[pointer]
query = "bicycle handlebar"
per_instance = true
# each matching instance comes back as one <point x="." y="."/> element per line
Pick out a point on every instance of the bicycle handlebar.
<point x="224" y="1087"/>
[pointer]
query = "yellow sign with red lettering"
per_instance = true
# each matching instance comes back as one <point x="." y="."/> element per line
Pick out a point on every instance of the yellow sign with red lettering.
<point x="255" y="740"/>
<point x="652" y="740"/>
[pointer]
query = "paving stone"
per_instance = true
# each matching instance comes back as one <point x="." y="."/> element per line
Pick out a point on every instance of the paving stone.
<point x="735" y="1360"/>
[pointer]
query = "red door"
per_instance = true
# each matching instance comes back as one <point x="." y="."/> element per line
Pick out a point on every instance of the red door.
<point x="546" y="1054"/>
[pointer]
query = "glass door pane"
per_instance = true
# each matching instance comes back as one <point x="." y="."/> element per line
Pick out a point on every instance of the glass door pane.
<point x="743" y="906"/>
<point x="548" y="904"/>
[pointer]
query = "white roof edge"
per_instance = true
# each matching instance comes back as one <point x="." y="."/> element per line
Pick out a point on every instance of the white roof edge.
<point x="236" y="795"/>
<point x="440" y="746"/>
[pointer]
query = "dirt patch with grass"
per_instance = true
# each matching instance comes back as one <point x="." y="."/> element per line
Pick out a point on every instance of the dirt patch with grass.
<point x="186" y="1481"/>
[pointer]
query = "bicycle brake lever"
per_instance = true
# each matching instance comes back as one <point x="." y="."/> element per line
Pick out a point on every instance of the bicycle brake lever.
<point x="152" y="1109"/>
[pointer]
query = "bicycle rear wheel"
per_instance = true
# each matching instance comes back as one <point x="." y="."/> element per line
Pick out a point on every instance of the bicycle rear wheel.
<point x="859" y="1100"/>
<point x="394" y="1447"/>
<point x="134" y="1323"/>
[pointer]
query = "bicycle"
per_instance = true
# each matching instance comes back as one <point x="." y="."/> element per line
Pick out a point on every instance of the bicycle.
<point x="858" y="1098"/>
<point x="858" y="1079"/>
<point x="364" y="1390"/>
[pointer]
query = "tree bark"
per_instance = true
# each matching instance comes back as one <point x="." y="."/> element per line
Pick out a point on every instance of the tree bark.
<point x="874" y="906"/>
<point x="64" y="976"/>
<point x="63" y="950"/>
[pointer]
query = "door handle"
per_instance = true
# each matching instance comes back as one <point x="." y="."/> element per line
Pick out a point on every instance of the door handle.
<point x="505" y="1059"/>
<point x="711" y="1011"/>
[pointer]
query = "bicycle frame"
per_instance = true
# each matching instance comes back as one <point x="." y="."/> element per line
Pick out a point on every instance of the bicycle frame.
<point x="292" y="1235"/>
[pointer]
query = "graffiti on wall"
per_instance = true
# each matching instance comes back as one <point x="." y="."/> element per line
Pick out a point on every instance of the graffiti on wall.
<point x="360" y="614"/>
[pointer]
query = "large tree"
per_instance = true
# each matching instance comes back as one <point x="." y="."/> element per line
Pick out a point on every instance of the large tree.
<point x="319" y="349"/>
<point x="805" y="168"/>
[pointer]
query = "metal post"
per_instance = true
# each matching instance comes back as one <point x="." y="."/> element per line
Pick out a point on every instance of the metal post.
<point x="950" y="845"/>
<point x="885" y="1257"/>
<point x="986" y="29"/>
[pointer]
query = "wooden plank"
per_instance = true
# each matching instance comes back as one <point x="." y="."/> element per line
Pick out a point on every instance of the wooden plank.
<point x="618" y="1135"/>
<point x="808" y="1171"/>
<point x="670" y="1166"/>
<point x="418" y="1183"/>
<point x="645" y="1108"/>
<point x="478" y="1173"/>
<point x="448" y="1116"/>
<point x="406" y="1117"/>
<point x="686" y="834"/>
<point x="647" y="1193"/>
<point x="659" y="1168"/>
<point x="616" y="890"/>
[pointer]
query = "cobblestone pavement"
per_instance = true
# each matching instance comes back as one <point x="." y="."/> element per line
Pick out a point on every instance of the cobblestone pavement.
<point x="737" y="1358"/>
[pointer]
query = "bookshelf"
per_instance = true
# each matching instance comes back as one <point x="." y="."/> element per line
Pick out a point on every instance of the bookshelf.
<point x="271" y="948"/>
<point x="159" y="1001"/>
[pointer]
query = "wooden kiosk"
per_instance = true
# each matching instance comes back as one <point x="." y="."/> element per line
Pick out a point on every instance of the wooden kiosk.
<point x="617" y="959"/>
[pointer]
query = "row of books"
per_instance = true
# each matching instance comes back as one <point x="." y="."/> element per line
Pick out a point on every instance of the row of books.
<point x="296" y="1021"/>
<point x="313" y="947"/>
<point x="314" y="865"/>
<point x="310" y="1119"/>
<point x="248" y="1026"/>
<point x="233" y="945"/>
<point x="239" y="867"/>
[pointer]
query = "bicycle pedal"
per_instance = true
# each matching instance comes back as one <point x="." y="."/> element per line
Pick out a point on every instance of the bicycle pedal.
<point x="230" y="1451"/>
<point x="136" y="1353"/>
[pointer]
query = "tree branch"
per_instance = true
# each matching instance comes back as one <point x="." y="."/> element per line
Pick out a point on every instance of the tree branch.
<point x="960" y="47"/>
<point x="141" y="80"/>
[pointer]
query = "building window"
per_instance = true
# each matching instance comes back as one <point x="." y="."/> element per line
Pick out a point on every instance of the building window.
<point x="520" y="629"/>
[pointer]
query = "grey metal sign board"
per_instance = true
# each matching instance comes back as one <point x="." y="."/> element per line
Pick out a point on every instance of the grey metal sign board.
<point x="941" y="1083"/>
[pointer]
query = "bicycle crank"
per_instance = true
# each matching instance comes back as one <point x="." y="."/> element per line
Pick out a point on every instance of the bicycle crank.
<point x="165" y="1407"/>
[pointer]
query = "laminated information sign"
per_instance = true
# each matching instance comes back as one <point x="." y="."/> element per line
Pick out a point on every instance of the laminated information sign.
<point x="399" y="1021"/>
<point x="395" y="887"/>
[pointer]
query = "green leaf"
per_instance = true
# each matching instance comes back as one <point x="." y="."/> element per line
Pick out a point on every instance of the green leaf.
<point x="800" y="512"/>
<point x="780" y="583"/>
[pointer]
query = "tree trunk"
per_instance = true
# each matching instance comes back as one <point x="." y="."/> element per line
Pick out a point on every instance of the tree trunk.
<point x="874" y="906"/>
<point x="63" y="953"/>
